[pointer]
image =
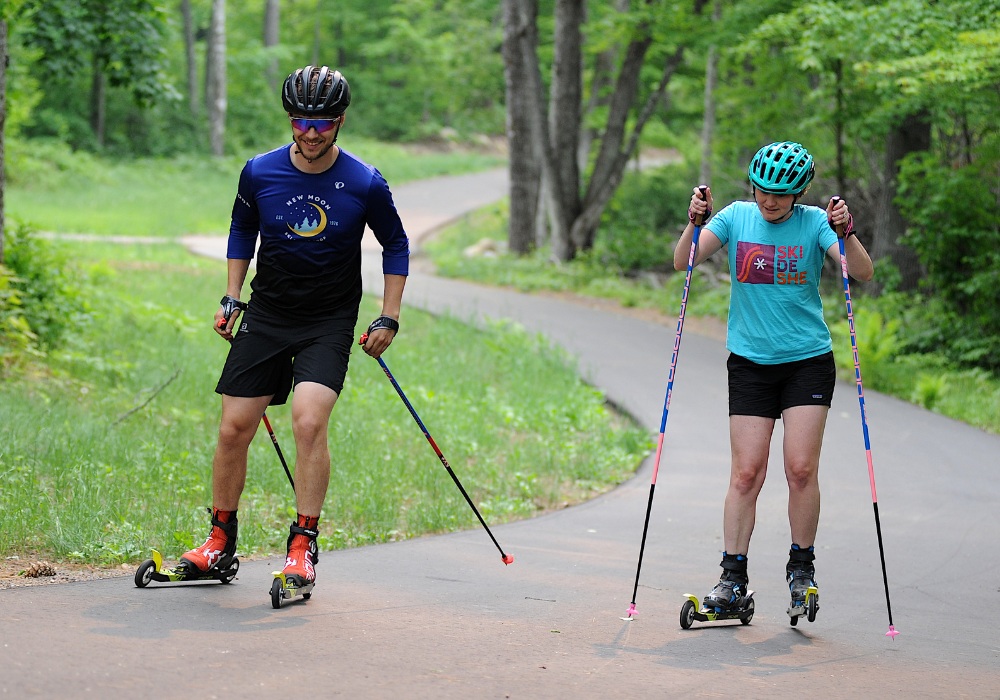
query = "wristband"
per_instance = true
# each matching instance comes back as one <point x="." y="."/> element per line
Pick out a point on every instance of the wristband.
<point x="387" y="322"/>
<point x="229" y="306"/>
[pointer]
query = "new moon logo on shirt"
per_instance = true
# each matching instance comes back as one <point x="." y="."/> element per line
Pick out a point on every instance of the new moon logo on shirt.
<point x="754" y="263"/>
<point x="306" y="215"/>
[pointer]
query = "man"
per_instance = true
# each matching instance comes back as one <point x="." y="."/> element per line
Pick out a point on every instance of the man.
<point x="310" y="202"/>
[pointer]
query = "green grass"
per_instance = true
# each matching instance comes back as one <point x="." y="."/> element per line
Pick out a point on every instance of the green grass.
<point x="972" y="395"/>
<point x="587" y="275"/>
<point x="57" y="190"/>
<point x="523" y="432"/>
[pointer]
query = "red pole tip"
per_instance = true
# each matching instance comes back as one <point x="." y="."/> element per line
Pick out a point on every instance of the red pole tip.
<point x="508" y="559"/>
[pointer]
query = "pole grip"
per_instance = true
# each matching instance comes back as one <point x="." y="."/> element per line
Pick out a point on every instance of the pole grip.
<point x="699" y="219"/>
<point x="363" y="339"/>
<point x="839" y="228"/>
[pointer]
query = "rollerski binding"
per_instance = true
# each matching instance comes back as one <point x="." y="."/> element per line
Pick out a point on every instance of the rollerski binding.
<point x="729" y="600"/>
<point x="216" y="560"/>
<point x="299" y="575"/>
<point x="801" y="576"/>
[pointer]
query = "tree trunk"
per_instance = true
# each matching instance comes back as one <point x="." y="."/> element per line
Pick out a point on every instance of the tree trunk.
<point x="316" y="32"/>
<point x="604" y="67"/>
<point x="209" y="80"/>
<point x="838" y="128"/>
<point x="3" y="126"/>
<point x="272" y="23"/>
<point x="98" y="102"/>
<point x="217" y="87"/>
<point x="708" y="120"/>
<point x="567" y="102"/>
<point x="914" y="134"/>
<point x="534" y="89"/>
<point x="523" y="164"/>
<point x="192" y="62"/>
<point x="599" y="191"/>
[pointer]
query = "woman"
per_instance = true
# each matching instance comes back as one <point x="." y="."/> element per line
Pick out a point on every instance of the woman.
<point x="781" y="362"/>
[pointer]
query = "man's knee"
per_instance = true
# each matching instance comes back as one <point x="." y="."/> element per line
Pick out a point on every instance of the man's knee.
<point x="309" y="425"/>
<point x="235" y="431"/>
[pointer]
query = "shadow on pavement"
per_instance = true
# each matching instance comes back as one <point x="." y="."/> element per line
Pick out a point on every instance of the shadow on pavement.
<point x="142" y="619"/>
<point x="718" y="648"/>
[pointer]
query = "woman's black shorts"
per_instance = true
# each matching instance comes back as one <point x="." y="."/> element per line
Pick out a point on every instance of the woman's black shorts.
<point x="270" y="353"/>
<point x="767" y="390"/>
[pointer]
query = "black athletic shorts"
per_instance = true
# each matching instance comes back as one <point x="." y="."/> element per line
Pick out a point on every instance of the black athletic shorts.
<point x="767" y="390"/>
<point x="270" y="353"/>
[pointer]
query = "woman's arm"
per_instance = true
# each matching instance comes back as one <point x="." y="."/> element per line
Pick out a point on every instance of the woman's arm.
<point x="859" y="264"/>
<point x="708" y="242"/>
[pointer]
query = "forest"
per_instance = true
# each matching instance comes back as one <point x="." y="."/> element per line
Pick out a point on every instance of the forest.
<point x="897" y="100"/>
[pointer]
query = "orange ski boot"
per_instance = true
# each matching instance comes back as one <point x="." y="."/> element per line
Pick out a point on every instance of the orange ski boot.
<point x="219" y="549"/>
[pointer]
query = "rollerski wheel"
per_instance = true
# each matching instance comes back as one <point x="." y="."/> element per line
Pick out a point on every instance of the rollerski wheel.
<point x="687" y="614"/>
<point x="289" y="587"/>
<point x="152" y="570"/>
<point x="693" y="610"/>
<point x="808" y="608"/>
<point x="144" y="574"/>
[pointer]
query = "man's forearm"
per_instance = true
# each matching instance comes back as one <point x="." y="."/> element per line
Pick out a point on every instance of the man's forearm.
<point x="392" y="298"/>
<point x="237" y="275"/>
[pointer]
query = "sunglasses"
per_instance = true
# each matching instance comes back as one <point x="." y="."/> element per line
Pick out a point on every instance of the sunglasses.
<point x="321" y="125"/>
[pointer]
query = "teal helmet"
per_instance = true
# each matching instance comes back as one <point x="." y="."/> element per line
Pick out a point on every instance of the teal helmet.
<point x="782" y="168"/>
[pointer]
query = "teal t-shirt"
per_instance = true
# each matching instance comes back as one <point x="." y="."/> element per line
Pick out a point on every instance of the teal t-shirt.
<point x="775" y="311"/>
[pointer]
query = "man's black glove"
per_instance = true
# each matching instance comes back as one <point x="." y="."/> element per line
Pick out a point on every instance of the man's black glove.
<point x="384" y="322"/>
<point x="229" y="306"/>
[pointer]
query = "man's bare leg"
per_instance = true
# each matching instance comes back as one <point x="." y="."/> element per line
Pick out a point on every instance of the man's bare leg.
<point x="311" y="407"/>
<point x="240" y="418"/>
<point x="312" y="404"/>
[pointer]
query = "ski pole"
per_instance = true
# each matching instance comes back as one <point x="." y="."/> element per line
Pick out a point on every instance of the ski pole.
<point x="223" y="322"/>
<point x="666" y="403"/>
<point x="864" y="419"/>
<point x="277" y="448"/>
<point x="507" y="558"/>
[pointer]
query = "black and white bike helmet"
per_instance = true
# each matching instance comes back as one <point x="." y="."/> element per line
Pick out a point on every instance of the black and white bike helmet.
<point x="316" y="92"/>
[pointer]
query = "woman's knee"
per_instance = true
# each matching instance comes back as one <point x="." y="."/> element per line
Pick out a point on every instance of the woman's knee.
<point x="801" y="475"/>
<point x="747" y="478"/>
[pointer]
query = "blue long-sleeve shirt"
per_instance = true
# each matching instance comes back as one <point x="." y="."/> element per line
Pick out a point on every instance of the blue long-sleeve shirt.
<point x="310" y="227"/>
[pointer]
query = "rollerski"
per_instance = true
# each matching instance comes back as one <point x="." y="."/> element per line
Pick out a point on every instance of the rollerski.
<point x="729" y="600"/>
<point x="298" y="578"/>
<point x="801" y="576"/>
<point x="216" y="560"/>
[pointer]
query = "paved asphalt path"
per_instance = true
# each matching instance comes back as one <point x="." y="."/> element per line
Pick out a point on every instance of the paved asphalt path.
<point x="442" y="617"/>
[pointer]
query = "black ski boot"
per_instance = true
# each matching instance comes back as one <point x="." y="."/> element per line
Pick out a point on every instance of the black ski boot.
<point x="731" y="590"/>
<point x="801" y="577"/>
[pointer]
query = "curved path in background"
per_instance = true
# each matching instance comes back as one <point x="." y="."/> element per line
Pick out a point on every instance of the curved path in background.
<point x="441" y="617"/>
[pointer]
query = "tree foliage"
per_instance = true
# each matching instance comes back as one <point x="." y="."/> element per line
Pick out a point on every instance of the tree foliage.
<point x="123" y="39"/>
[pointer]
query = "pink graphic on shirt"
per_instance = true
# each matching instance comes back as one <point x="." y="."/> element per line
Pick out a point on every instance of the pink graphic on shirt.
<point x="754" y="263"/>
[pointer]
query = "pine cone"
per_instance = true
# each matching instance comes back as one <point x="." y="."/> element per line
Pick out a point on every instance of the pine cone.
<point x="38" y="569"/>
